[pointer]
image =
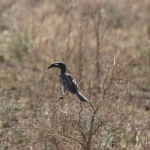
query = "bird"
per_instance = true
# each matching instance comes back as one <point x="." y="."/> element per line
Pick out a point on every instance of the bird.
<point x="69" y="84"/>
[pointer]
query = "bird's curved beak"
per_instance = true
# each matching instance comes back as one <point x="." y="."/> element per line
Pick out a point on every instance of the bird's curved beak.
<point x="53" y="65"/>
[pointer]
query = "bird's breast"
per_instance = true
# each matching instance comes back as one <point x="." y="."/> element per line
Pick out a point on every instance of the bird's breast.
<point x="68" y="82"/>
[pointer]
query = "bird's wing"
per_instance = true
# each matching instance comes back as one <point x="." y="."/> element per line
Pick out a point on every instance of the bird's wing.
<point x="68" y="82"/>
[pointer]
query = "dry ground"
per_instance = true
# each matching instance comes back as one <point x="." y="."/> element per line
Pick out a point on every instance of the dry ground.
<point x="106" y="47"/>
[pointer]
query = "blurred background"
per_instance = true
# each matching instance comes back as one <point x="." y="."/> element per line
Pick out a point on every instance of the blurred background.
<point x="106" y="45"/>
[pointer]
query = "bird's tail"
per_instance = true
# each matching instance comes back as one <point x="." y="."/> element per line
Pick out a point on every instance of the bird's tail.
<point x="81" y="97"/>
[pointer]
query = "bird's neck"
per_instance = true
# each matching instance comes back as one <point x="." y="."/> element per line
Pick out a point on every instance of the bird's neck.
<point x="63" y="70"/>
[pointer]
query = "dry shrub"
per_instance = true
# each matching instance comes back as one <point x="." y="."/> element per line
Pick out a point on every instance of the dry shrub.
<point x="92" y="38"/>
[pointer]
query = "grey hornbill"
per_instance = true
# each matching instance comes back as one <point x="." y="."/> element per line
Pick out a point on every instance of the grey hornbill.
<point x="67" y="81"/>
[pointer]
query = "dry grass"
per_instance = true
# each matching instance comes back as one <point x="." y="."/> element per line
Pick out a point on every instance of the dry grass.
<point x="106" y="47"/>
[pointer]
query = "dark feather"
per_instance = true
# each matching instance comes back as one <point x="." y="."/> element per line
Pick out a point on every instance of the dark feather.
<point x="68" y="82"/>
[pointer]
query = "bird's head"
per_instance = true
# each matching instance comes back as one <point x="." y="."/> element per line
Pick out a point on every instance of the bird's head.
<point x="60" y="65"/>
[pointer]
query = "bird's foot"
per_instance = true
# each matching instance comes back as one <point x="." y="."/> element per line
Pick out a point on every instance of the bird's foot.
<point x="61" y="97"/>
